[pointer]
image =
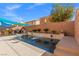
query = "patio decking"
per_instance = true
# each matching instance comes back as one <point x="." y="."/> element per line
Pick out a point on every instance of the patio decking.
<point x="18" y="48"/>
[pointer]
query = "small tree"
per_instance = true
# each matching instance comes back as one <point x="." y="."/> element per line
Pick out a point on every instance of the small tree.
<point x="61" y="13"/>
<point x="46" y="29"/>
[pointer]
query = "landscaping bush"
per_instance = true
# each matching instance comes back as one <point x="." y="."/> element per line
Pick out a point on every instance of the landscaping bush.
<point x="46" y="29"/>
<point x="54" y="32"/>
<point x="38" y="30"/>
<point x="61" y="31"/>
<point x="34" y="30"/>
<point x="66" y="34"/>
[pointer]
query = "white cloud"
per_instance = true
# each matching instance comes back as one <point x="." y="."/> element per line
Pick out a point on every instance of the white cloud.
<point x="35" y="5"/>
<point x="19" y="19"/>
<point x="13" y="16"/>
<point x="13" y="7"/>
<point x="9" y="12"/>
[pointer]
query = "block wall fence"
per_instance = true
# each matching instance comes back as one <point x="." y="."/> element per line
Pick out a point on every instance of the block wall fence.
<point x="70" y="27"/>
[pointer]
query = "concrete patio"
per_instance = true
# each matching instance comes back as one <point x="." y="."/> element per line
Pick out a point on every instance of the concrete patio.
<point x="15" y="47"/>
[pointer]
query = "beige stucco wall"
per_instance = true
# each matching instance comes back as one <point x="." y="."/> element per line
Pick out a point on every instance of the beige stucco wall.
<point x="77" y="27"/>
<point x="67" y="26"/>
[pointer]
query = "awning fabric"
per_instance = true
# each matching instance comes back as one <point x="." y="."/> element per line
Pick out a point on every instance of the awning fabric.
<point x="12" y="22"/>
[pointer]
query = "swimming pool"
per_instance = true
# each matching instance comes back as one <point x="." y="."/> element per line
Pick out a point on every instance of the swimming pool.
<point x="43" y="43"/>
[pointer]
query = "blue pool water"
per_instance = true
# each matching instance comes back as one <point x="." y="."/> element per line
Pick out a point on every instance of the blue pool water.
<point x="47" y="46"/>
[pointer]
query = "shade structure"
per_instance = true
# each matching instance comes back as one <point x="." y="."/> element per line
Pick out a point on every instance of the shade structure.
<point x="4" y="20"/>
<point x="3" y="24"/>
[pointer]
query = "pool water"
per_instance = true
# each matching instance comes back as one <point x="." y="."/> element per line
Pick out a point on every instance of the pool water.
<point x="45" y="45"/>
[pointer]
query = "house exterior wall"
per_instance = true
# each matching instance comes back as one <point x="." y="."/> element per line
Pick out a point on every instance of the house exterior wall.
<point x="37" y="22"/>
<point x="30" y="22"/>
<point x="45" y="20"/>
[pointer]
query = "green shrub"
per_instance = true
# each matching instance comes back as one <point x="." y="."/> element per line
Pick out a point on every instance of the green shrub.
<point x="38" y="30"/>
<point x="34" y="30"/>
<point x="55" y="32"/>
<point x="66" y="34"/>
<point x="46" y="29"/>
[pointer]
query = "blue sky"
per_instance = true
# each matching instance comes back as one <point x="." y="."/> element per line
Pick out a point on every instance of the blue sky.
<point x="23" y="12"/>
